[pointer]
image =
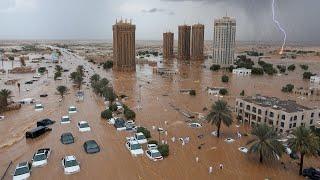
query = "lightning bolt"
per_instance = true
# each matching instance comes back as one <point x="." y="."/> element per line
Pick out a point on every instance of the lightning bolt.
<point x="279" y="26"/>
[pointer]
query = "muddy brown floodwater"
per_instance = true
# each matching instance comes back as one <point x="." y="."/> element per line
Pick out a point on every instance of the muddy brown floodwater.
<point x="156" y="94"/>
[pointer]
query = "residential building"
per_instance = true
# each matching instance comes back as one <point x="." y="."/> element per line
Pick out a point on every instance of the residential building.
<point x="124" y="54"/>
<point x="224" y="41"/>
<point x="241" y="71"/>
<point x="197" y="42"/>
<point x="315" y="80"/>
<point x="168" y="39"/>
<point x="184" y="42"/>
<point x="283" y="115"/>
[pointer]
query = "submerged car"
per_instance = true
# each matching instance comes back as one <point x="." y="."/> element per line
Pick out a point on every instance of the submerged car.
<point x="72" y="110"/>
<point x="84" y="126"/>
<point x="38" y="131"/>
<point x="152" y="146"/>
<point x="22" y="171"/>
<point x="134" y="147"/>
<point x="67" y="138"/>
<point x="243" y="149"/>
<point x="38" y="107"/>
<point x="311" y="173"/>
<point x="195" y="125"/>
<point x="45" y="122"/>
<point x="65" y="120"/>
<point x="91" y="147"/>
<point x="140" y="138"/>
<point x="119" y="124"/>
<point x="154" y="155"/>
<point x="40" y="158"/>
<point x="70" y="165"/>
<point x="229" y="140"/>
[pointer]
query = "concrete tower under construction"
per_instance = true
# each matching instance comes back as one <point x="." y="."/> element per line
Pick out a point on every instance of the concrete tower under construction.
<point x="168" y="39"/>
<point x="197" y="42"/>
<point x="124" y="54"/>
<point x="184" y="42"/>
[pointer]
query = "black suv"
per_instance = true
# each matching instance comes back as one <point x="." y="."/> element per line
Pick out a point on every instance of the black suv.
<point x="45" y="122"/>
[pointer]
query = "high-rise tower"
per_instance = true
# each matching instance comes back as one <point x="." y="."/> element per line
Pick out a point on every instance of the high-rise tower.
<point x="197" y="42"/>
<point x="168" y="38"/>
<point x="184" y="42"/>
<point x="124" y="55"/>
<point x="224" y="41"/>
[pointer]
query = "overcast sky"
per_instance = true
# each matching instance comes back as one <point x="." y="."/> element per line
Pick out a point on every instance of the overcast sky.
<point x="93" y="19"/>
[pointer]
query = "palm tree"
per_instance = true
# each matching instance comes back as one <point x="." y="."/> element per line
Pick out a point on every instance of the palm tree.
<point x="305" y="142"/>
<point x="4" y="95"/>
<point x="265" y="143"/>
<point x="62" y="90"/>
<point x="220" y="113"/>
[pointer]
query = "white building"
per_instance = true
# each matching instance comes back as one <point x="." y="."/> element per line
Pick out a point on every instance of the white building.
<point x="283" y="115"/>
<point x="224" y="41"/>
<point x="315" y="80"/>
<point x="242" y="71"/>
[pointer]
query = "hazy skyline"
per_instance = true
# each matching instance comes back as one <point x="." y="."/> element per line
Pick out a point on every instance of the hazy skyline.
<point x="83" y="19"/>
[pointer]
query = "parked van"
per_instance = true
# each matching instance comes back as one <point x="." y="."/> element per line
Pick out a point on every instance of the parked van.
<point x="36" y="132"/>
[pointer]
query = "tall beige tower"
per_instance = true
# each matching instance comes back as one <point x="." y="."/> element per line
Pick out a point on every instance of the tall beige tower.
<point x="168" y="38"/>
<point x="184" y="42"/>
<point x="124" y="55"/>
<point x="197" y="42"/>
<point x="224" y="41"/>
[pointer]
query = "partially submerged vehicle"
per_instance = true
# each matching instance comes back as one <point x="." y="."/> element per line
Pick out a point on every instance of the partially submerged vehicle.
<point x="38" y="107"/>
<point x="67" y="138"/>
<point x="140" y="138"/>
<point x="27" y="101"/>
<point x="40" y="158"/>
<point x="70" y="165"/>
<point x="72" y="110"/>
<point x="22" y="171"/>
<point x="84" y="126"/>
<point x="45" y="122"/>
<point x="134" y="147"/>
<point x="154" y="154"/>
<point x="38" y="131"/>
<point x="65" y="120"/>
<point x="91" y="147"/>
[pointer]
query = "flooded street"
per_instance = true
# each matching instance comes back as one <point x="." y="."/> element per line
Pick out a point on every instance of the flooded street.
<point x="154" y="94"/>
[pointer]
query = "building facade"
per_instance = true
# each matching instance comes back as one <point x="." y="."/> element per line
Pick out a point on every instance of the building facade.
<point x="283" y="115"/>
<point x="168" y="39"/>
<point x="184" y="42"/>
<point x="124" y="55"/>
<point x="224" y="41"/>
<point x="242" y="71"/>
<point x="197" y="42"/>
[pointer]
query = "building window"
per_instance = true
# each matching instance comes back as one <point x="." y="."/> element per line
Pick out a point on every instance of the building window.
<point x="281" y="130"/>
<point x="254" y="117"/>
<point x="312" y="114"/>
<point x="248" y="107"/>
<point x="294" y="124"/>
<point x="266" y="113"/>
<point x="270" y="122"/>
<point x="282" y="124"/>
<point x="302" y="124"/>
<point x="259" y="112"/>
<point x="240" y="110"/>
<point x="271" y="114"/>
<point x="295" y="118"/>
<point x="290" y="125"/>
<point x="283" y="117"/>
<point x="302" y="117"/>
<point x="311" y="121"/>
<point x="259" y="119"/>
<point x="254" y="109"/>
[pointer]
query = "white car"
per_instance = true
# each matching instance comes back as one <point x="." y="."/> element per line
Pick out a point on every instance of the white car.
<point x="40" y="158"/>
<point x="140" y="138"/>
<point x="37" y="76"/>
<point x="59" y="78"/>
<point x="152" y="146"/>
<point x="154" y="155"/>
<point x="38" y="107"/>
<point x="134" y="147"/>
<point x="84" y="126"/>
<point x="1" y="117"/>
<point x="22" y="171"/>
<point x="195" y="125"/>
<point x="288" y="150"/>
<point x="72" y="110"/>
<point x="243" y="149"/>
<point x="70" y="165"/>
<point x="214" y="133"/>
<point x="111" y="120"/>
<point x="229" y="140"/>
<point x="65" y="120"/>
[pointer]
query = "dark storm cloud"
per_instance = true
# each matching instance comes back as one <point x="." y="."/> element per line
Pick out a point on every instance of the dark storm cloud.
<point x="299" y="17"/>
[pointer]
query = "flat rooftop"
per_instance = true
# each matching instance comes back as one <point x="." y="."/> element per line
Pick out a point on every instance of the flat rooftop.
<point x="277" y="104"/>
